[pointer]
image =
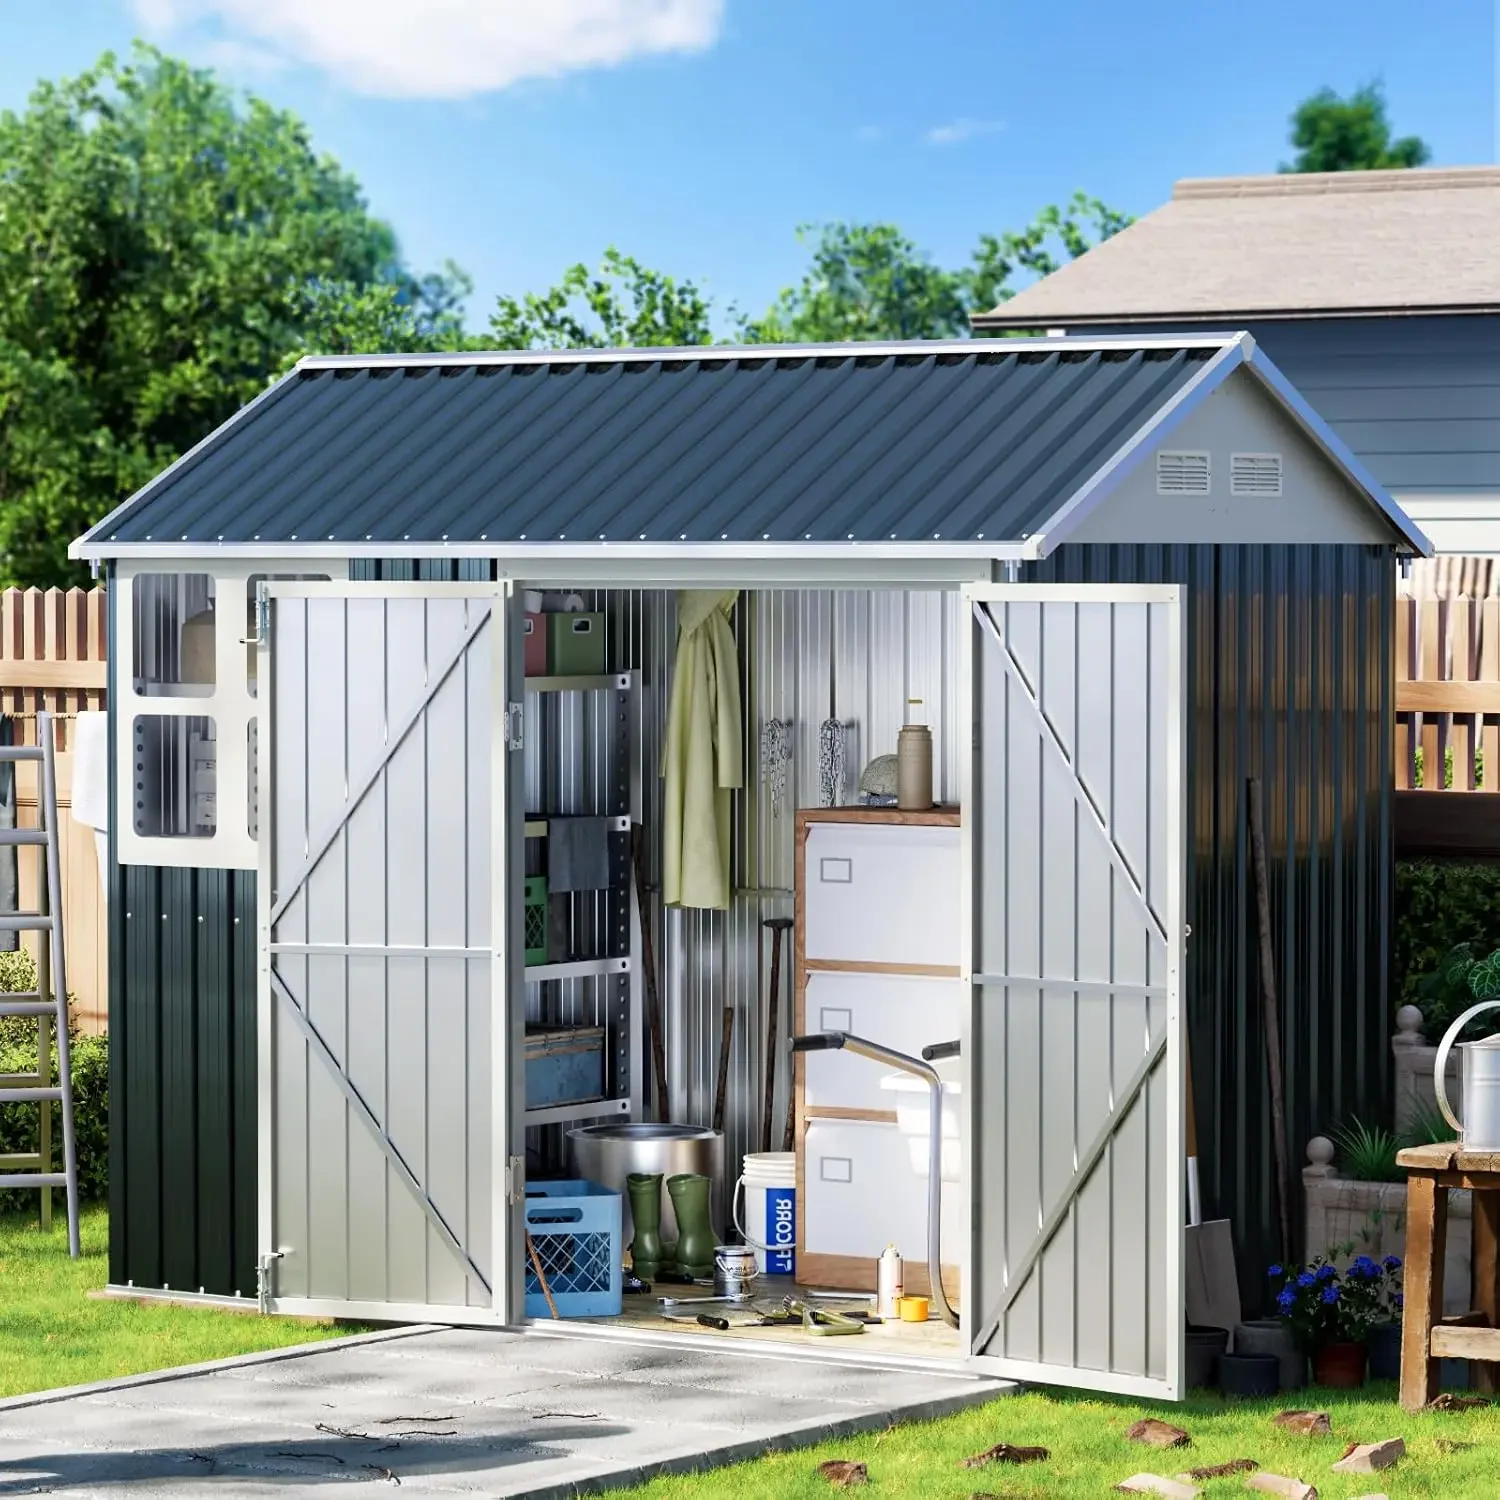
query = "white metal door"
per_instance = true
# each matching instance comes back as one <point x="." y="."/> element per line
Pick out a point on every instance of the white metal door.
<point x="1073" y="814"/>
<point x="384" y="1101"/>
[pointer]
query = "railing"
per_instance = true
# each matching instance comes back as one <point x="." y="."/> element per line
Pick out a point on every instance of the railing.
<point x="1447" y="725"/>
<point x="53" y="657"/>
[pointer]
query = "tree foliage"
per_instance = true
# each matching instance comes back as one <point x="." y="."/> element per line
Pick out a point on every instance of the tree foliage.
<point x="1333" y="134"/>
<point x="864" y="282"/>
<point x="164" y="249"/>
<point x="621" y="305"/>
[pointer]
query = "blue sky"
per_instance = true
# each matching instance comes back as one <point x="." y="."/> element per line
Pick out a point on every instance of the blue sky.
<point x="516" y="136"/>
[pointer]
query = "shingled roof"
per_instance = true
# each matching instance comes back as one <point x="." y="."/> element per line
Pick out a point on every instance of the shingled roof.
<point x="1324" y="244"/>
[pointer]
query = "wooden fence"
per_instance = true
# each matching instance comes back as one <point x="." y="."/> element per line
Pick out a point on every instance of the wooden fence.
<point x="53" y="657"/>
<point x="1448" y="725"/>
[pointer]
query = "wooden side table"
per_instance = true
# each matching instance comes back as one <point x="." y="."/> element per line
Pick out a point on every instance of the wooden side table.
<point x="1432" y="1172"/>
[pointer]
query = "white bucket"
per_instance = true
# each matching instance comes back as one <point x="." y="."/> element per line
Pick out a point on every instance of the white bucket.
<point x="769" y="1183"/>
<point x="914" y="1120"/>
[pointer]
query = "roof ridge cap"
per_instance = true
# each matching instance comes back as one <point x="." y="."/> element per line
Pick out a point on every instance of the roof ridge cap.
<point x="1314" y="184"/>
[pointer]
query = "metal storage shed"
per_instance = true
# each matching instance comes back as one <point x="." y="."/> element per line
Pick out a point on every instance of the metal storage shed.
<point x="1142" y="569"/>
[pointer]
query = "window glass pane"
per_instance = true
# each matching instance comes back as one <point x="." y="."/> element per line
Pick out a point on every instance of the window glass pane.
<point x="173" y="622"/>
<point x="175" y="778"/>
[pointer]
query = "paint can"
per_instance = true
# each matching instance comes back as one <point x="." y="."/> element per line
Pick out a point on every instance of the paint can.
<point x="734" y="1271"/>
<point x="769" y="1183"/>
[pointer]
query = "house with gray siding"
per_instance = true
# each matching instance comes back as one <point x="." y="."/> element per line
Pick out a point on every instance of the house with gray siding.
<point x="1377" y="293"/>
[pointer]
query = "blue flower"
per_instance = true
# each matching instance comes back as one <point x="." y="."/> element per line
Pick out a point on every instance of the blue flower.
<point x="1364" y="1267"/>
<point x="1330" y="1295"/>
<point x="1399" y="1300"/>
<point x="1287" y="1300"/>
<point x="1326" y="1273"/>
<point x="1392" y="1262"/>
<point x="1307" y="1279"/>
<point x="1274" y="1271"/>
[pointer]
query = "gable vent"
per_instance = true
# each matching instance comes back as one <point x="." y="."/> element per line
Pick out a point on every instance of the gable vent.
<point x="1182" y="474"/>
<point x="1254" y="473"/>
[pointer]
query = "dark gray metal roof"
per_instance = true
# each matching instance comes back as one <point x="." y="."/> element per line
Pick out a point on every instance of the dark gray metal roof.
<point x="910" y="443"/>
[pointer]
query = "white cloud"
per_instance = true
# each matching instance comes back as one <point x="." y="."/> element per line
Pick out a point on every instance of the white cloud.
<point x="955" y="132"/>
<point x="439" y="49"/>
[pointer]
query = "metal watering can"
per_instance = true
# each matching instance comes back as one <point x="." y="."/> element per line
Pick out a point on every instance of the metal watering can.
<point x="1481" y="1080"/>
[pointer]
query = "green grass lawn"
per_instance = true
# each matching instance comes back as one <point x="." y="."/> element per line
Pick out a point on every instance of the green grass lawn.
<point x="53" y="1334"/>
<point x="1090" y="1453"/>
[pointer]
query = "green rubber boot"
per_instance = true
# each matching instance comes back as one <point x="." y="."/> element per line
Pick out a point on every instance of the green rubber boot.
<point x="644" y="1189"/>
<point x="695" y="1234"/>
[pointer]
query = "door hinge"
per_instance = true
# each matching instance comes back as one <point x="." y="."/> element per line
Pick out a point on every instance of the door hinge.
<point x="515" y="724"/>
<point x="263" y="1269"/>
<point x="515" y="1180"/>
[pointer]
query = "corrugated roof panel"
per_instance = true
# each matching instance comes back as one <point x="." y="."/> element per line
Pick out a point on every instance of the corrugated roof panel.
<point x="956" y="441"/>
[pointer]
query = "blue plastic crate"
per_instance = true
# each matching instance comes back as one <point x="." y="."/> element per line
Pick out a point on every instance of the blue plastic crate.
<point x="575" y="1227"/>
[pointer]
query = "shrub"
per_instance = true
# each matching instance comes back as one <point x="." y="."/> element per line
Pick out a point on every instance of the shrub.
<point x="20" y="1124"/>
<point x="1442" y="906"/>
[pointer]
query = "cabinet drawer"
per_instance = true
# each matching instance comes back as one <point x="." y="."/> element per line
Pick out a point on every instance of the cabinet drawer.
<point x="905" y="1013"/>
<point x="861" y="1193"/>
<point x="882" y="894"/>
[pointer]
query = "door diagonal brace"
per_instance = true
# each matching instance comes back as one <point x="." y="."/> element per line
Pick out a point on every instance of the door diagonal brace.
<point x="1015" y="1280"/>
<point x="321" y="845"/>
<point x="1080" y="792"/>
<point x="386" y="1144"/>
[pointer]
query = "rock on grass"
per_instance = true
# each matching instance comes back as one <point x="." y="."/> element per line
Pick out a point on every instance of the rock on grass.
<point x="1157" y="1434"/>
<point x="1368" y="1458"/>
<point x="1281" y="1484"/>
<point x="1220" y="1471"/>
<point x="1005" y="1453"/>
<point x="844" y="1472"/>
<point x="1307" y="1423"/>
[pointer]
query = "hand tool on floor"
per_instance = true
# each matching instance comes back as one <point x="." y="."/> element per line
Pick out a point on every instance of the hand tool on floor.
<point x="1211" y="1286"/>
<point x="702" y="1320"/>
<point x="648" y="968"/>
<point x="824" y="1321"/>
<point x="1272" y="1011"/>
<point x="721" y="1090"/>
<point x="776" y="926"/>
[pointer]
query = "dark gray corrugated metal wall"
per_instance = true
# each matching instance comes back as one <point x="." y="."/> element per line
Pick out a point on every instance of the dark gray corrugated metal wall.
<point x="1290" y="676"/>
<point x="1290" y="679"/>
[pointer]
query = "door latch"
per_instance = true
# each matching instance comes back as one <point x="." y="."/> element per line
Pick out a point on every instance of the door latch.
<point x="263" y="1269"/>
<point x="262" y="634"/>
<point x="515" y="1180"/>
<point x="515" y="723"/>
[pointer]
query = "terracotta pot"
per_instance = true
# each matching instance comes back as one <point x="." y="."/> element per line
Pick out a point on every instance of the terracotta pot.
<point x="1340" y="1365"/>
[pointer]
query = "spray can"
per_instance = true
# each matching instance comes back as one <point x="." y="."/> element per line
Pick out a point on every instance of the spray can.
<point x="890" y="1282"/>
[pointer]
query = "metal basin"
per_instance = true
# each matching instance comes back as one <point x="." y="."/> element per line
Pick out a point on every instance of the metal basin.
<point x="607" y="1154"/>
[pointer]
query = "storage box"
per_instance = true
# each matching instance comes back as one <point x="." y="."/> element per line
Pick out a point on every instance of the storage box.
<point x="575" y="644"/>
<point x="564" y="1065"/>
<point x="535" y="631"/>
<point x="536" y="919"/>
<point x="575" y="1229"/>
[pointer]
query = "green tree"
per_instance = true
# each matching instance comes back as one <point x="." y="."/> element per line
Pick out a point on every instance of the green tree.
<point x="621" y="305"/>
<point x="1333" y="134"/>
<point x="164" y="249"/>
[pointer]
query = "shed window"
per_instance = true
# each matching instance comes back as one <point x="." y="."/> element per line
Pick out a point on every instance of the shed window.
<point x="1182" y="474"/>
<point x="175" y="776"/>
<point x="173" y="617"/>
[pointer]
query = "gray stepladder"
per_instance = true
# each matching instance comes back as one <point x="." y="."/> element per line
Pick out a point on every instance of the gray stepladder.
<point x="48" y="1003"/>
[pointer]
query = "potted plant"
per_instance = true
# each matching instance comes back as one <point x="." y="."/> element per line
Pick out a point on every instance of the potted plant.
<point x="1331" y="1316"/>
<point x="1383" y="1280"/>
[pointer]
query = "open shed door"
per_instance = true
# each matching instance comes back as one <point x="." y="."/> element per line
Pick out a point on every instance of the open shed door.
<point x="1074" y="816"/>
<point x="384" y="1104"/>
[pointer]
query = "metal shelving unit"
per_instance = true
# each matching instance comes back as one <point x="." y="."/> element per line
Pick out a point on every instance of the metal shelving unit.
<point x="610" y="987"/>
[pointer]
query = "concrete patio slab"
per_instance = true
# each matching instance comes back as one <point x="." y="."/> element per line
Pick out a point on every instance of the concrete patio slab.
<point x="451" y="1412"/>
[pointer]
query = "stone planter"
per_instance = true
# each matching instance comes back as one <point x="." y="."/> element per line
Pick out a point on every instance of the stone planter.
<point x="1373" y="1216"/>
<point x="1415" y="1060"/>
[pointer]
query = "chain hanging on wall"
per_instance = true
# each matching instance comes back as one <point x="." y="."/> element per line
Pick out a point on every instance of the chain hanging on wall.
<point x="775" y="759"/>
<point x="830" y="762"/>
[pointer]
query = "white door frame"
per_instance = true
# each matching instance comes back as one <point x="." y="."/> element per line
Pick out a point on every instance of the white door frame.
<point x="508" y="1187"/>
<point x="974" y="595"/>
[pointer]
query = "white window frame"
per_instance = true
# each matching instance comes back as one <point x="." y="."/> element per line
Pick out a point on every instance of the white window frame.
<point x="228" y="703"/>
